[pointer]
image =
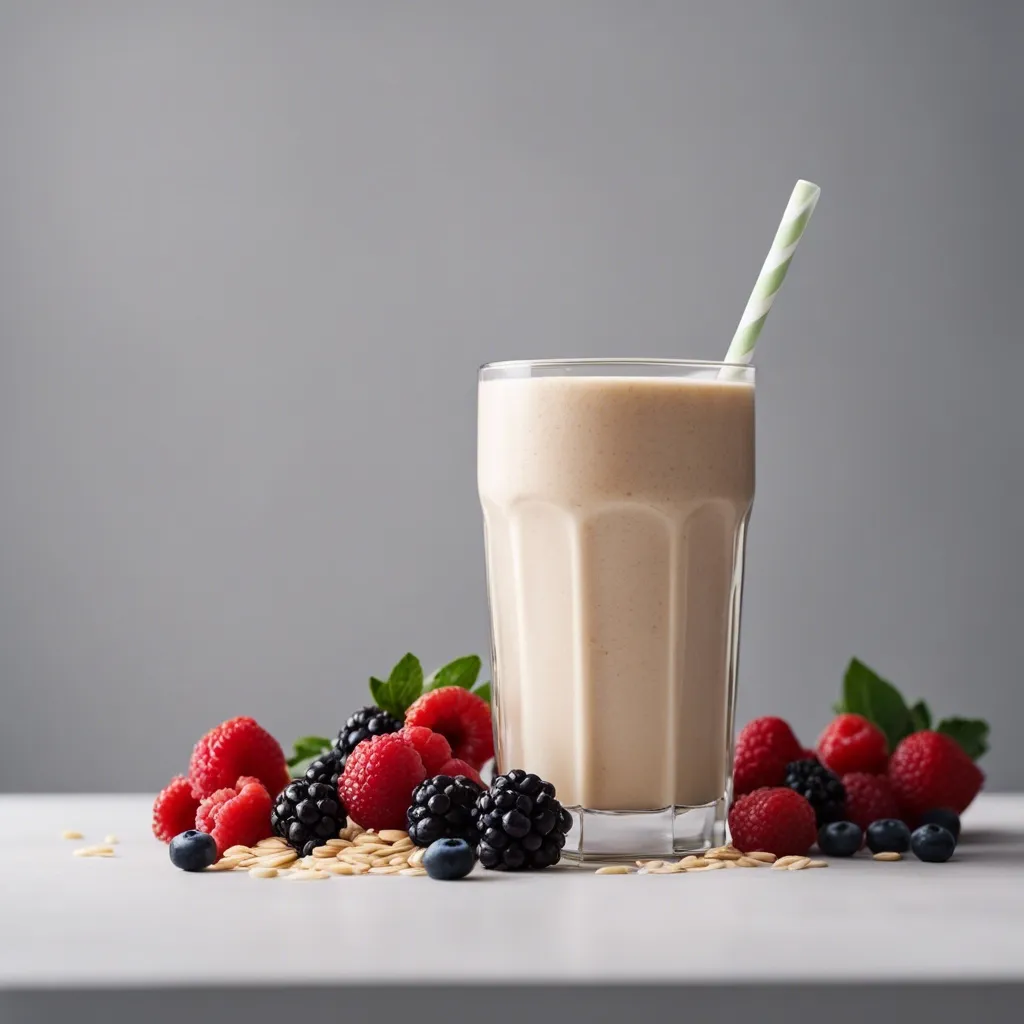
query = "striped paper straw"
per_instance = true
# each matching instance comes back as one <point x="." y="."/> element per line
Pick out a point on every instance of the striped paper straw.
<point x="773" y="273"/>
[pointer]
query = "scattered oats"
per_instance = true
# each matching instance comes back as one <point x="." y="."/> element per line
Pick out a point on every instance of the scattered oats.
<point x="799" y="864"/>
<point x="763" y="856"/>
<point x="393" y="835"/>
<point x="270" y="843"/>
<point x="613" y="869"/>
<point x="749" y="862"/>
<point x="226" y="864"/>
<point x="308" y="876"/>
<point x="338" y="844"/>
<point x="71" y="833"/>
<point x="324" y="851"/>
<point x="416" y="857"/>
<point x="111" y="840"/>
<point x="93" y="851"/>
<point x="818" y="864"/>
<point x="403" y="844"/>
<point x="888" y="855"/>
<point x="384" y="871"/>
<point x="783" y="862"/>
<point x="278" y="860"/>
<point x="413" y="872"/>
<point x="263" y="872"/>
<point x="238" y="851"/>
<point x="715" y="865"/>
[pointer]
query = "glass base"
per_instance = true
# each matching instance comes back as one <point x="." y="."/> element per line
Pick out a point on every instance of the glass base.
<point x="598" y="837"/>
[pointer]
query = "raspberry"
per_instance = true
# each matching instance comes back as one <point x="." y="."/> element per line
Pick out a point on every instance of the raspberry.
<point x="929" y="769"/>
<point x="850" y="743"/>
<point x="463" y="718"/>
<point x="379" y="777"/>
<point x="236" y="816"/>
<point x="239" y="746"/>
<point x="456" y="767"/>
<point x="174" y="810"/>
<point x="774" y="819"/>
<point x="763" y="749"/>
<point x="432" y="747"/>
<point x="869" y="798"/>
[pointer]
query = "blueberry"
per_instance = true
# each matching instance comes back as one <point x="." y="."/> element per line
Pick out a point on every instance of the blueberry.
<point x="932" y="843"/>
<point x="448" y="859"/>
<point x="193" y="851"/>
<point x="839" y="839"/>
<point x="948" y="819"/>
<point x="888" y="835"/>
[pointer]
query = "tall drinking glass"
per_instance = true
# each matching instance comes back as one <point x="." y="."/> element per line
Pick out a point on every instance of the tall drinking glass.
<point x="616" y="495"/>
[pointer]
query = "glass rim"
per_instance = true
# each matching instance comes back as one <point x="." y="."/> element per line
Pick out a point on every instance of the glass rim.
<point x="612" y="360"/>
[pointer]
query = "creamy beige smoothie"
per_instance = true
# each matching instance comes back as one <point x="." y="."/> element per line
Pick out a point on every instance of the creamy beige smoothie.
<point x="615" y="509"/>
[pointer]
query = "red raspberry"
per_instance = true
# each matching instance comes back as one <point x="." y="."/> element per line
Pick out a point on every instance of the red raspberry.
<point x="456" y="767"/>
<point x="236" y="816"/>
<point x="432" y="747"/>
<point x="868" y="798"/>
<point x="930" y="770"/>
<point x="850" y="743"/>
<point x="377" y="783"/>
<point x="174" y="810"/>
<point x="463" y="718"/>
<point x="763" y="749"/>
<point x="775" y="819"/>
<point x="237" y="747"/>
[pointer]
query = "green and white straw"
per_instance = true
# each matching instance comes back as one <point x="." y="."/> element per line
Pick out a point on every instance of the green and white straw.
<point x="773" y="273"/>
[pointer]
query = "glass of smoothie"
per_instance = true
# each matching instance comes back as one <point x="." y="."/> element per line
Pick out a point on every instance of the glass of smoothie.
<point x="616" y="495"/>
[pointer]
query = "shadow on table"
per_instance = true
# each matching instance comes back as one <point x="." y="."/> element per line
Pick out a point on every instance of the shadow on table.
<point x="524" y="1004"/>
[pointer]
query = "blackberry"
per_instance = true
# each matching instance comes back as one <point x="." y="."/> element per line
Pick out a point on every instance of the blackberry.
<point x="307" y="814"/>
<point x="326" y="768"/>
<point x="521" y="824"/>
<point x="444" y="808"/>
<point x="367" y="722"/>
<point x="822" y="788"/>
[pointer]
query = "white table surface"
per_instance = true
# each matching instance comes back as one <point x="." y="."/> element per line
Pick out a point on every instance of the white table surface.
<point x="136" y="921"/>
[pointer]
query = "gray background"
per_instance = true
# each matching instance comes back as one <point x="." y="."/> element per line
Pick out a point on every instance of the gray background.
<point x="250" y="256"/>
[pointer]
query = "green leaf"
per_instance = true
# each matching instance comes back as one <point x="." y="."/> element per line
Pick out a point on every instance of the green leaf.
<point x="970" y="733"/>
<point x="921" y="716"/>
<point x="461" y="672"/>
<point x="483" y="691"/>
<point x="298" y="769"/>
<point x="308" y="748"/>
<point x="381" y="692"/>
<point x="405" y="683"/>
<point x="866" y="693"/>
<point x="839" y="708"/>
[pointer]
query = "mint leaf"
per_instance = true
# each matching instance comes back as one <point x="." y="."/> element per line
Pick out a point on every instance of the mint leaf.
<point x="970" y="733"/>
<point x="300" y="768"/>
<point x="381" y="692"/>
<point x="483" y="691"/>
<point x="405" y="683"/>
<point x="866" y="693"/>
<point x="308" y="748"/>
<point x="921" y="716"/>
<point x="461" y="672"/>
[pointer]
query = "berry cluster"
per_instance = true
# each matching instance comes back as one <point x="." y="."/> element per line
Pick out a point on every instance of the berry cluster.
<point x="392" y="767"/>
<point x="850" y="790"/>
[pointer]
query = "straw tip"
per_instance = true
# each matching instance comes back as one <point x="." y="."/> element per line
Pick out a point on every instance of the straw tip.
<point x="808" y="188"/>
